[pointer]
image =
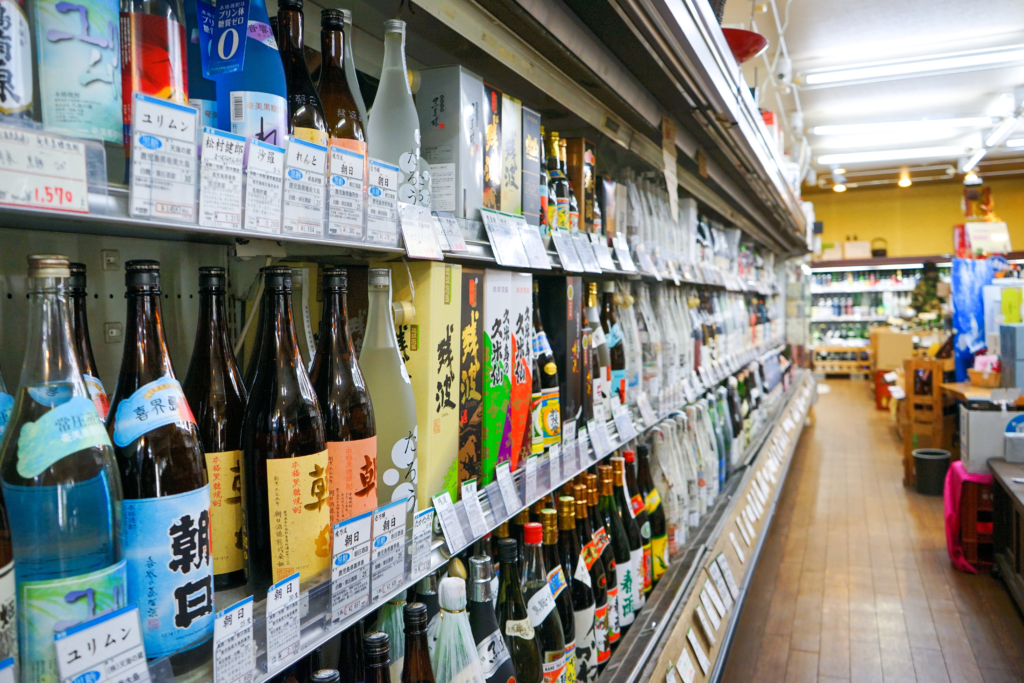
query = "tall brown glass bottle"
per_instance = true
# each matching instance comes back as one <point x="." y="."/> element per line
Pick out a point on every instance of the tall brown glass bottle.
<point x="350" y="656"/>
<point x="613" y="336"/>
<point x="416" y="668"/>
<point x="254" y="355"/>
<point x="376" y="658"/>
<point x="561" y="587"/>
<point x="83" y="345"/>
<point x="643" y="522"/>
<point x="283" y="448"/>
<point x="595" y="566"/>
<point x="514" y="618"/>
<point x="345" y="404"/>
<point x="166" y="509"/>
<point x="339" y="104"/>
<point x="213" y="388"/>
<point x="574" y="563"/>
<point x="305" y="113"/>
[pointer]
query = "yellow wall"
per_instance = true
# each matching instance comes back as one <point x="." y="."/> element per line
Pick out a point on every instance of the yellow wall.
<point x="918" y="220"/>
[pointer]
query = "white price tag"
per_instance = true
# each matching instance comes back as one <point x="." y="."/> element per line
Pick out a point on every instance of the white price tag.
<point x="566" y="251"/>
<point x="554" y="464"/>
<point x="737" y="548"/>
<point x="264" y="187"/>
<point x="743" y="529"/>
<point x="450" y="525"/>
<point x="534" y="245"/>
<point x="107" y="648"/>
<point x="42" y="171"/>
<point x="723" y="590"/>
<point x="456" y="242"/>
<point x="382" y="204"/>
<point x="471" y="501"/>
<point x="622" y="253"/>
<point x="283" y="634"/>
<point x="624" y="425"/>
<point x="220" y="180"/>
<point x="585" y="250"/>
<point x="7" y="671"/>
<point x="582" y="448"/>
<point x="387" y="556"/>
<point x="304" y="188"/>
<point x="418" y="232"/>
<point x="646" y="264"/>
<point x="716" y="599"/>
<point x="422" y="524"/>
<point x="569" y="448"/>
<point x="705" y="625"/>
<point x="702" y="658"/>
<point x="599" y="436"/>
<point x="350" y="566"/>
<point x="346" y="190"/>
<point x="604" y="256"/>
<point x="709" y="607"/>
<point x="163" y="160"/>
<point x="684" y="667"/>
<point x="503" y="233"/>
<point x="507" y="486"/>
<point x="730" y="580"/>
<point x="442" y="239"/>
<point x="530" y="477"/>
<point x="646" y="411"/>
<point x="233" y="653"/>
<point x="691" y="395"/>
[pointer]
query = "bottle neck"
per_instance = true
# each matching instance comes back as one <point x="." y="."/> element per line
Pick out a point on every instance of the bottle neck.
<point x="509" y="576"/>
<point x="145" y="347"/>
<point x="49" y="349"/>
<point x="394" y="55"/>
<point x="278" y="343"/>
<point x="535" y="570"/>
<point x="380" y="323"/>
<point x="332" y="48"/>
<point x="212" y="334"/>
<point x="334" y="337"/>
<point x="290" y="29"/>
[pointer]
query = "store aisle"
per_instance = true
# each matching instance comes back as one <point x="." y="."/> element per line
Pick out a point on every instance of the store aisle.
<point x="854" y="582"/>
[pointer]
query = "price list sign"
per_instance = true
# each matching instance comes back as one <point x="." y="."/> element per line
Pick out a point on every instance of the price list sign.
<point x="382" y="204"/>
<point x="233" y="660"/>
<point x="107" y="648"/>
<point x="283" y="632"/>
<point x="304" y="185"/>
<point x="163" y="162"/>
<point x="264" y="187"/>
<point x="418" y="232"/>
<point x="452" y="232"/>
<point x="346" y="191"/>
<point x="503" y="233"/>
<point x="350" y="568"/>
<point x="387" y="554"/>
<point x="42" y="172"/>
<point x="220" y="180"/>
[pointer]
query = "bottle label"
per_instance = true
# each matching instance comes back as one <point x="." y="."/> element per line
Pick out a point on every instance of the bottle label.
<point x="45" y="607"/>
<point x="224" y="472"/>
<point x="590" y="554"/>
<point x="659" y="557"/>
<point x="598" y="336"/>
<point x="70" y="427"/>
<point x="152" y="62"/>
<point x="346" y="203"/>
<point x="556" y="580"/>
<point x="604" y="648"/>
<point x="601" y="539"/>
<point x="636" y="558"/>
<point x="646" y="570"/>
<point x="570" y="662"/>
<point x="153" y="405"/>
<point x="6" y="405"/>
<point x="522" y="628"/>
<point x="538" y="430"/>
<point x="207" y="112"/>
<point x="170" y="573"/>
<point x="582" y="573"/>
<point x="552" y="212"/>
<point x="382" y="204"/>
<point x="586" y="645"/>
<point x="541" y="345"/>
<point x="259" y="115"/>
<point x="653" y="501"/>
<point x="16" y="96"/>
<point x="554" y="667"/>
<point x="352" y="477"/>
<point x="314" y="135"/>
<point x="8" y="612"/>
<point x="636" y="503"/>
<point x="257" y="30"/>
<point x="540" y="605"/>
<point x="562" y="212"/>
<point x="625" y="574"/>
<point x="614" y="336"/>
<point x="98" y="395"/>
<point x="299" y="503"/>
<point x="619" y="385"/>
<point x="614" y="630"/>
<point x="574" y="220"/>
<point x="493" y="652"/>
<point x="550" y="416"/>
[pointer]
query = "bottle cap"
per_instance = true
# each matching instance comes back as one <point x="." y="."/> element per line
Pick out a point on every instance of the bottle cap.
<point x="325" y="676"/>
<point x="522" y="517"/>
<point x="604" y="473"/>
<point x="566" y="512"/>
<point x="334" y="18"/>
<point x="451" y="594"/>
<point x="277" y="277"/>
<point x="533" y="533"/>
<point x="415" y="617"/>
<point x="508" y="550"/>
<point x="608" y="286"/>
<point x="502" y="530"/>
<point x="294" y="4"/>
<point x="630" y="456"/>
<point x="380" y="277"/>
<point x="212" y="277"/>
<point x="143" y="273"/>
<point x="394" y="26"/>
<point x="375" y="644"/>
<point x="643" y="450"/>
<point x="335" y="279"/>
<point x="48" y="265"/>
<point x="592" y="288"/>
<point x="580" y="493"/>
<point x="591" y="489"/>
<point x="76" y="282"/>
<point x="481" y="572"/>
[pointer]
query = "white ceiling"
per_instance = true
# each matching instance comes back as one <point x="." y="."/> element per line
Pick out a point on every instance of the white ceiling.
<point x="830" y="33"/>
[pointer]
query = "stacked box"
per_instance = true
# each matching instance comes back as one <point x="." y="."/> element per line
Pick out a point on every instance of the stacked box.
<point x="522" y="354"/>
<point x="493" y="166"/>
<point x="511" y="155"/>
<point x="450" y="104"/>
<point x="497" y="380"/>
<point x="471" y="375"/>
<point x="580" y="156"/>
<point x="605" y="197"/>
<point x="432" y="347"/>
<point x="561" y="314"/>
<point x="532" y="166"/>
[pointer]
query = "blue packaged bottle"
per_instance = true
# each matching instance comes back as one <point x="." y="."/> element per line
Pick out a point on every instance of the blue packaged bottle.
<point x="202" y="91"/>
<point x="253" y="101"/>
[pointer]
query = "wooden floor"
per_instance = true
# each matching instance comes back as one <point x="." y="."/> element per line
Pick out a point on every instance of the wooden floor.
<point x="854" y="583"/>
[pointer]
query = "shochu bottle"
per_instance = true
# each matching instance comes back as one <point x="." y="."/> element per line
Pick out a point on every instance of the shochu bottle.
<point x="514" y="617"/>
<point x="349" y="426"/>
<point x="540" y="604"/>
<point x="166" y="512"/>
<point x="213" y="388"/>
<point x="60" y="483"/>
<point x="83" y="345"/>
<point x="283" y="450"/>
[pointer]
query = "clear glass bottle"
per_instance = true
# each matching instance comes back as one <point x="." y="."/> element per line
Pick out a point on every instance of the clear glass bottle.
<point x="166" y="510"/>
<point x="350" y="69"/>
<point x="83" y="344"/>
<point x="388" y="383"/>
<point x="305" y="112"/>
<point x="60" y="482"/>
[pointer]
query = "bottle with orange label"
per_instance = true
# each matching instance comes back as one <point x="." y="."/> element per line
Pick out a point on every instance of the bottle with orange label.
<point x="606" y="554"/>
<point x="306" y="119"/>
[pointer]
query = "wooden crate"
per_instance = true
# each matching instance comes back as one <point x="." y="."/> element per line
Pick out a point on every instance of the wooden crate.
<point x="976" y="519"/>
<point x="927" y="424"/>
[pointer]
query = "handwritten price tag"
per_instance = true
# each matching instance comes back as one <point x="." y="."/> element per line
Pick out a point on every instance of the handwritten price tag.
<point x="451" y="527"/>
<point x="471" y="502"/>
<point x="42" y="171"/>
<point x="450" y="226"/>
<point x="422" y="525"/>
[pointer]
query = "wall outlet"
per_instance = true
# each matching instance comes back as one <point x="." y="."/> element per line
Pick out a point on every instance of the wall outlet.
<point x="111" y="259"/>
<point x="113" y="333"/>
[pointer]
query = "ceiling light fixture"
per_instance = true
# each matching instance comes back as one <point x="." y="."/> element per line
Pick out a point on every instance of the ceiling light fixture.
<point x="972" y="179"/>
<point x="839" y="188"/>
<point x="891" y="155"/>
<point x="904" y="179"/>
<point x="1015" y="142"/>
<point x="903" y="126"/>
<point x="903" y="68"/>
<point x="973" y="160"/>
<point x="1001" y="132"/>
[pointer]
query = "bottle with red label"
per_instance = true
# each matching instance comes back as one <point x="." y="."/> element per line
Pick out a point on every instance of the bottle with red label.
<point x="636" y="502"/>
<point x="561" y="587"/>
<point x="606" y="554"/>
<point x="591" y="556"/>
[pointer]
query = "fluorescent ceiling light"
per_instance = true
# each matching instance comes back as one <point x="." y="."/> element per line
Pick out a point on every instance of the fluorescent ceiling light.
<point x="973" y="161"/>
<point x="1015" y="142"/>
<point x="903" y="126"/>
<point x="1001" y="132"/>
<point x="925" y="136"/>
<point x="891" y="155"/>
<point x="857" y="269"/>
<point x="959" y="61"/>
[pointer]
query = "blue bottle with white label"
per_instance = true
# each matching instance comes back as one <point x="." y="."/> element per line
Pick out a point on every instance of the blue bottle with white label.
<point x="253" y="101"/>
<point x="165" y="528"/>
<point x="202" y="91"/>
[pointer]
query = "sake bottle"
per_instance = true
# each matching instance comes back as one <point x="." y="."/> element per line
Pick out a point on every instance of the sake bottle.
<point x="345" y="118"/>
<point x="283" y="449"/>
<point x="83" y="344"/>
<point x="613" y="335"/>
<point x="416" y="667"/>
<point x="376" y="658"/>
<point x="305" y="113"/>
<point x="214" y="391"/>
<point x="341" y="391"/>
<point x="514" y="619"/>
<point x="591" y="557"/>
<point x="60" y="483"/>
<point x="643" y="522"/>
<point x="561" y="587"/>
<point x="350" y="69"/>
<point x="166" y="511"/>
<point x="388" y="381"/>
<point x="541" y="606"/>
<point x="574" y="564"/>
<point x="632" y="530"/>
<point x="625" y="569"/>
<point x="655" y="513"/>
<point x="350" y="656"/>
<point x="490" y="642"/>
